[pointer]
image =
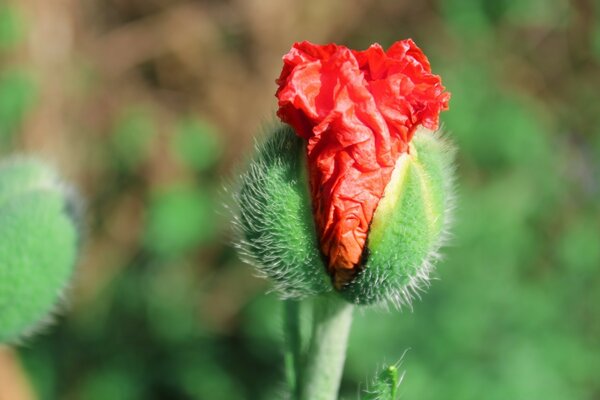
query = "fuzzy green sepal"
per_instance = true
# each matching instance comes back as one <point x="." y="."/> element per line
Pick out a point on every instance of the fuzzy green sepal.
<point x="274" y="218"/>
<point x="409" y="225"/>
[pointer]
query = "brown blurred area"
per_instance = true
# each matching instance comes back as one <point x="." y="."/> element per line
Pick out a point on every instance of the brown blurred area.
<point x="213" y="58"/>
<point x="13" y="385"/>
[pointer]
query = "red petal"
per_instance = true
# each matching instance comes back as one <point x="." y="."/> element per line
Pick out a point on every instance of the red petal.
<point x="358" y="111"/>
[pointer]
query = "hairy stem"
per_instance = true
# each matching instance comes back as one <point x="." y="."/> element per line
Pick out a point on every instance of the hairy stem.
<point x="324" y="362"/>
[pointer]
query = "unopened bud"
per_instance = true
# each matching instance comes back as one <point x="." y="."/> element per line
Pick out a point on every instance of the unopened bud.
<point x="38" y="245"/>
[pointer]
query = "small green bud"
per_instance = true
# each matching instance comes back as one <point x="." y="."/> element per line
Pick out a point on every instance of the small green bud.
<point x="384" y="385"/>
<point x="38" y="245"/>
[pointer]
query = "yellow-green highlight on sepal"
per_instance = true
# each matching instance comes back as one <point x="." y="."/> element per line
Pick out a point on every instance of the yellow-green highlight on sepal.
<point x="39" y="240"/>
<point x="273" y="217"/>
<point x="409" y="226"/>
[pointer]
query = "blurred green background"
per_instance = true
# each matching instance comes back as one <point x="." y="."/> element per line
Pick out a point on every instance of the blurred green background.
<point x="150" y="107"/>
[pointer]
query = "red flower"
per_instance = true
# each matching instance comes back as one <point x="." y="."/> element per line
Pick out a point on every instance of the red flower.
<point x="358" y="111"/>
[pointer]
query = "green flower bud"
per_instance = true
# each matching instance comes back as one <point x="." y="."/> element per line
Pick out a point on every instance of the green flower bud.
<point x="38" y="245"/>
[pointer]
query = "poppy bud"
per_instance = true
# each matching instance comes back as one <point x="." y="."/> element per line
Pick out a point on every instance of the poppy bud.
<point x="38" y="245"/>
<point x="363" y="191"/>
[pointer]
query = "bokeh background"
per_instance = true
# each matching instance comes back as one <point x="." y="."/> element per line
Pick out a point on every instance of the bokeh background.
<point x="150" y="106"/>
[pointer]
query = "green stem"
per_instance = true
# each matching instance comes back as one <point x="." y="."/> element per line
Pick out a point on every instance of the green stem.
<point x="324" y="362"/>
<point x="293" y="345"/>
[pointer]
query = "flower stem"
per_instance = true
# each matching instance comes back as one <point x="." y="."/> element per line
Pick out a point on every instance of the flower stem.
<point x="293" y="345"/>
<point x="324" y="361"/>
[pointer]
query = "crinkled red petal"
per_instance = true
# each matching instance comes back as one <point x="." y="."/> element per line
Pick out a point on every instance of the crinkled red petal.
<point x="358" y="111"/>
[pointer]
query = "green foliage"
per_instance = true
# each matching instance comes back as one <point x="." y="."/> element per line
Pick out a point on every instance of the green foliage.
<point x="596" y="40"/>
<point x="11" y="26"/>
<point x="476" y="19"/>
<point x="274" y="218"/>
<point x="111" y="383"/>
<point x="578" y="249"/>
<point x="179" y="218"/>
<point x="38" y="246"/>
<point x="468" y="17"/>
<point x="132" y="137"/>
<point x="409" y="225"/>
<point x="196" y="144"/>
<point x="17" y="95"/>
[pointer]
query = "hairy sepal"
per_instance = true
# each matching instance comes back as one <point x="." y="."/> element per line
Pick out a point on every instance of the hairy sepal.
<point x="276" y="231"/>
<point x="409" y="226"/>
